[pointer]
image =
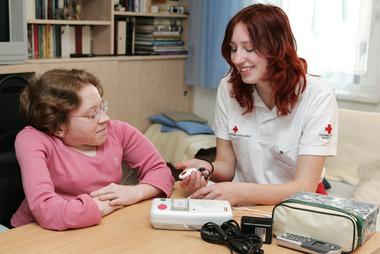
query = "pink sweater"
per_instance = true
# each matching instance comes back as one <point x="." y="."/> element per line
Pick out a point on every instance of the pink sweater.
<point x="57" y="180"/>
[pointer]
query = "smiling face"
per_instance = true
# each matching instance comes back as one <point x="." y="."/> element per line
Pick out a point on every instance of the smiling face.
<point x="251" y="66"/>
<point x="82" y="133"/>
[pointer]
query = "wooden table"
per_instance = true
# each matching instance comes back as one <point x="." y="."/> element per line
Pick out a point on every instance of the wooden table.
<point x="129" y="230"/>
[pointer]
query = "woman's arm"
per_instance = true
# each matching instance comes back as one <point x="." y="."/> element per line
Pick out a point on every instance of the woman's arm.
<point x="309" y="169"/>
<point x="155" y="178"/>
<point x="49" y="209"/>
<point x="224" y="166"/>
<point x="122" y="195"/>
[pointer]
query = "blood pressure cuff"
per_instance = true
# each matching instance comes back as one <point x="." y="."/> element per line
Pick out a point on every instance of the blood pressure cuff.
<point x="344" y="222"/>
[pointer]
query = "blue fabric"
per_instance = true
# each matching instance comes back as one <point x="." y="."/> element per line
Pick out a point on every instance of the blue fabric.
<point x="164" y="120"/>
<point x="189" y="127"/>
<point x="167" y="128"/>
<point x="195" y="128"/>
<point x="208" y="21"/>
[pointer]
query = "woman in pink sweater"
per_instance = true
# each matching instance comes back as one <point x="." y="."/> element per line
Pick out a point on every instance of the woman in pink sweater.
<point x="71" y="155"/>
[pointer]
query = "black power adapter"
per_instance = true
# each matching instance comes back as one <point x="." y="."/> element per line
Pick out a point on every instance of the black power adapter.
<point x="262" y="227"/>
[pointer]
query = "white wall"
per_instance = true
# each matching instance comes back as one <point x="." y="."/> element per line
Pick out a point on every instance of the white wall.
<point x="204" y="104"/>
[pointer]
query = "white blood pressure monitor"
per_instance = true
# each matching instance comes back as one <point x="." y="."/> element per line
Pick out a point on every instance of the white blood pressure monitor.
<point x="169" y="213"/>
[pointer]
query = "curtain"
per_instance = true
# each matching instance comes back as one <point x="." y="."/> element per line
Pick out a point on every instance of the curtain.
<point x="208" y="21"/>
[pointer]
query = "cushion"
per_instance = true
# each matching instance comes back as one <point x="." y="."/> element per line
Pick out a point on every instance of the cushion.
<point x="189" y="127"/>
<point x="195" y="128"/>
<point x="178" y="116"/>
<point x="368" y="188"/>
<point x="163" y="120"/>
<point x="358" y="145"/>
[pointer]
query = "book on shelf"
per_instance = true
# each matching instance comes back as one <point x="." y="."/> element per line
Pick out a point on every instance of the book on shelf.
<point x="181" y="52"/>
<point x="132" y="35"/>
<point x="124" y="36"/>
<point x="150" y="32"/>
<point x="57" y="42"/>
<point x="78" y="40"/>
<point x="46" y="9"/>
<point x="65" y="44"/>
<point x="120" y="35"/>
<point x="30" y="40"/>
<point x="30" y="9"/>
<point x="72" y="40"/>
<point x="48" y="41"/>
<point x="158" y="21"/>
<point x="149" y="38"/>
<point x="159" y="27"/>
<point x="35" y="41"/>
<point x="86" y="42"/>
<point x="138" y="42"/>
<point x="135" y="5"/>
<point x="158" y="48"/>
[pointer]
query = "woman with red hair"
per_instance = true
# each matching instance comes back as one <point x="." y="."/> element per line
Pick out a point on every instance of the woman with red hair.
<point x="275" y="124"/>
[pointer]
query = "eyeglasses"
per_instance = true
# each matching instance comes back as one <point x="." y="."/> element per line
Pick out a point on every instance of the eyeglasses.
<point x="95" y="113"/>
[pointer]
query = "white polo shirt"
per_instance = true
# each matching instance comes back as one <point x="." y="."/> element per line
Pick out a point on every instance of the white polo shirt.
<point x="267" y="146"/>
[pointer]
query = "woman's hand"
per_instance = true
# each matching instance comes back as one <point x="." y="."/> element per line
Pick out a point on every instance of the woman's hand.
<point x="122" y="195"/>
<point x="104" y="206"/>
<point x="220" y="191"/>
<point x="197" y="178"/>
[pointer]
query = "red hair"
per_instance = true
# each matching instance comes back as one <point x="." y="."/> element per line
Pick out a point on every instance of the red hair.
<point x="272" y="38"/>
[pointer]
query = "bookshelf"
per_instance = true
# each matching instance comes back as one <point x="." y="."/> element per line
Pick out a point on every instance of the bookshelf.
<point x="100" y="15"/>
<point x="136" y="87"/>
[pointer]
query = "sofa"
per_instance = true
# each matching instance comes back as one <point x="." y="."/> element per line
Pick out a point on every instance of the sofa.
<point x="355" y="172"/>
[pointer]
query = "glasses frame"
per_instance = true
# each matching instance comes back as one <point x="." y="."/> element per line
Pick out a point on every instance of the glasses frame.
<point x="103" y="107"/>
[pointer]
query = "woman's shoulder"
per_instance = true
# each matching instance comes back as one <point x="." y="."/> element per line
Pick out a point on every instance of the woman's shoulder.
<point x="30" y="138"/>
<point x="118" y="125"/>
<point x="314" y="84"/>
<point x="120" y="128"/>
<point x="225" y="85"/>
<point x="31" y="132"/>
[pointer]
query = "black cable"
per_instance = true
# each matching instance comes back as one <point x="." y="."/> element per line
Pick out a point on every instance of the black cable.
<point x="203" y="169"/>
<point x="231" y="235"/>
<point x="212" y="166"/>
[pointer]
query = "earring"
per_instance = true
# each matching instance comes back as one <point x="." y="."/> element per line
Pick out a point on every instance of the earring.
<point x="61" y="134"/>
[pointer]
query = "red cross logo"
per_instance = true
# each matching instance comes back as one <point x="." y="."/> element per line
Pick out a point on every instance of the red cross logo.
<point x="235" y="129"/>
<point x="328" y="129"/>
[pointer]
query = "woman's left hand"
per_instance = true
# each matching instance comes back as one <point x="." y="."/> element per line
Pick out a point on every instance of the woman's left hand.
<point x="122" y="194"/>
<point x="220" y="191"/>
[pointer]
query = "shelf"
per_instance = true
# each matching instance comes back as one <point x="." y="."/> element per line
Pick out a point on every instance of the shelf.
<point x="101" y="58"/>
<point x="158" y="15"/>
<point x="69" y="22"/>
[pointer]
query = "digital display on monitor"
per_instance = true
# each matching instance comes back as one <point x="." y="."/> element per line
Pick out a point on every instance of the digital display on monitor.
<point x="4" y="21"/>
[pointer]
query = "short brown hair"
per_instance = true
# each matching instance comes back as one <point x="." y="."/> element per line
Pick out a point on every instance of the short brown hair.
<point x="48" y="100"/>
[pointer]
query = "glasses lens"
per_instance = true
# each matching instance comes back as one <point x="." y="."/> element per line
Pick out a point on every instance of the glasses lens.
<point x="104" y="106"/>
<point x="94" y="114"/>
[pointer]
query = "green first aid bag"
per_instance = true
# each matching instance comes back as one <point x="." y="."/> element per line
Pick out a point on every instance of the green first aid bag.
<point x="344" y="222"/>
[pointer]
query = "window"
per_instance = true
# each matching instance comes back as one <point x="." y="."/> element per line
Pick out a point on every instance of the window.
<point x="340" y="40"/>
